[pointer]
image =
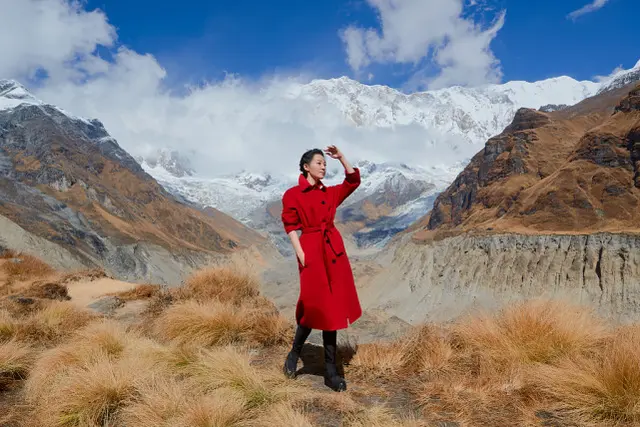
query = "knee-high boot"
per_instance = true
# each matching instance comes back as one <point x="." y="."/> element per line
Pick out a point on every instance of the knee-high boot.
<point x="331" y="377"/>
<point x="291" y="363"/>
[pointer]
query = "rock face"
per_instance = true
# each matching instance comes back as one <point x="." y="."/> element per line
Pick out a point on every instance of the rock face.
<point x="441" y="280"/>
<point x="550" y="207"/>
<point x="572" y="171"/>
<point x="552" y="107"/>
<point x="65" y="181"/>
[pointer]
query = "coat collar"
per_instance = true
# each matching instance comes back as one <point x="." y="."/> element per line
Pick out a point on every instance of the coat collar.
<point x="305" y="186"/>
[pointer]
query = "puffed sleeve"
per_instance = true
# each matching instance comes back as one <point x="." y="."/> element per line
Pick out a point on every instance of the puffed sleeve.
<point x="290" y="217"/>
<point x="349" y="184"/>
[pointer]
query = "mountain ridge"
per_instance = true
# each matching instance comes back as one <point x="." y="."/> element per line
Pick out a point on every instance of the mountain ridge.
<point x="65" y="179"/>
<point x="247" y="205"/>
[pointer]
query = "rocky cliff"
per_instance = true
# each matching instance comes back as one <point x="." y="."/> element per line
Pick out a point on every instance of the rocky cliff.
<point x="441" y="280"/>
<point x="570" y="171"/>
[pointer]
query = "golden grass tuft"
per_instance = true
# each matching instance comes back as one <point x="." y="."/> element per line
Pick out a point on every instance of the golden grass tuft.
<point x="45" y="326"/>
<point x="220" y="408"/>
<point x="225" y="284"/>
<point x="379" y="359"/>
<point x="21" y="266"/>
<point x="602" y="388"/>
<point x="93" y="394"/>
<point x="214" y="323"/>
<point x="229" y="368"/>
<point x="379" y="416"/>
<point x="281" y="415"/>
<point x="140" y="292"/>
<point x="537" y="331"/>
<point x="46" y="290"/>
<point x="427" y="349"/>
<point x="55" y="322"/>
<point x="160" y="400"/>
<point x="15" y="361"/>
<point x="8" y="326"/>
<point x="7" y="254"/>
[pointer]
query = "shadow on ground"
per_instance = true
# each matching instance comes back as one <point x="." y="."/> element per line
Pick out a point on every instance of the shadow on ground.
<point x="312" y="358"/>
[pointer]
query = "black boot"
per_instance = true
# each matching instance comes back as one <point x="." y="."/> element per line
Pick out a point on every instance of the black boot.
<point x="331" y="377"/>
<point x="291" y="363"/>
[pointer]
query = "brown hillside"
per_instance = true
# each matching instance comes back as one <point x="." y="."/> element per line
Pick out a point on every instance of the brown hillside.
<point x="68" y="181"/>
<point x="571" y="171"/>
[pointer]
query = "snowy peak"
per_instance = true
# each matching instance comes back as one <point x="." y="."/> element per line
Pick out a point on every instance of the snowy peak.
<point x="171" y="161"/>
<point x="448" y="116"/>
<point x="621" y="78"/>
<point x="13" y="94"/>
<point x="255" y="181"/>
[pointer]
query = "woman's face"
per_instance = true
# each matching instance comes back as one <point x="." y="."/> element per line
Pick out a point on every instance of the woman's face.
<point x="317" y="167"/>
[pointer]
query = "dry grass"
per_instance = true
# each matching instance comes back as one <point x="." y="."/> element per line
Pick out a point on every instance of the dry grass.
<point x="214" y="409"/>
<point x="21" y="266"/>
<point x="229" y="368"/>
<point x="140" y="292"/>
<point x="282" y="415"/>
<point x="379" y="359"/>
<point x="215" y="323"/>
<point x="537" y="331"/>
<point x="224" y="284"/>
<point x="602" y="388"/>
<point x="89" y="274"/>
<point x="211" y="353"/>
<point x="7" y="254"/>
<point x="46" y="326"/>
<point x="54" y="323"/>
<point x="380" y="416"/>
<point x="93" y="393"/>
<point x="15" y="361"/>
<point x="482" y="370"/>
<point x="46" y="290"/>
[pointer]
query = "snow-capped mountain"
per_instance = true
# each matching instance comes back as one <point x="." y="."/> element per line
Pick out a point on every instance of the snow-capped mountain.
<point x="168" y="161"/>
<point x="621" y="78"/>
<point x="454" y="120"/>
<point x="13" y="94"/>
<point x="402" y="192"/>
<point x="475" y="114"/>
<point x="239" y="195"/>
<point x="405" y="192"/>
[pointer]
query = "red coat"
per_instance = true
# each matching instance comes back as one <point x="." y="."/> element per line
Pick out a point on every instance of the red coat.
<point x="328" y="299"/>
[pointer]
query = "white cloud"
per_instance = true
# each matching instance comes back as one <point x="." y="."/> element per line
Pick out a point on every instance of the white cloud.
<point x="231" y="125"/>
<point x="55" y="35"/>
<point x="417" y="31"/>
<point x="588" y="8"/>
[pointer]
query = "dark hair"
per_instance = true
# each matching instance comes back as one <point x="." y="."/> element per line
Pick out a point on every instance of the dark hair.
<point x="307" y="157"/>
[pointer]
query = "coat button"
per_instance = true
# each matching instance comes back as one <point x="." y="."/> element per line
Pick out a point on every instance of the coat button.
<point x="333" y="261"/>
<point x="322" y="202"/>
<point x="328" y="241"/>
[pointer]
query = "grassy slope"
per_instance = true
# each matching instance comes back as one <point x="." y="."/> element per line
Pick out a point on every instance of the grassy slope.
<point x="209" y="354"/>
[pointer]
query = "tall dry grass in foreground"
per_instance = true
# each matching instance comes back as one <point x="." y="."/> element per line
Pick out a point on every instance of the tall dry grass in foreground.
<point x="210" y="354"/>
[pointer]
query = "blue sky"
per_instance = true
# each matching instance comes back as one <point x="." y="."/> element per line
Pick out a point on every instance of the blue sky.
<point x="204" y="39"/>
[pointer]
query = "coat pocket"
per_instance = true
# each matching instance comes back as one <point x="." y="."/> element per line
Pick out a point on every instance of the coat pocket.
<point x="337" y="244"/>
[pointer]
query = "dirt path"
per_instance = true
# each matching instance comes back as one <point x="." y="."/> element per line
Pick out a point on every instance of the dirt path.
<point x="86" y="292"/>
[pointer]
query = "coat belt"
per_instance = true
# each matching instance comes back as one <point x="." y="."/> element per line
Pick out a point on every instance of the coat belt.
<point x="329" y="254"/>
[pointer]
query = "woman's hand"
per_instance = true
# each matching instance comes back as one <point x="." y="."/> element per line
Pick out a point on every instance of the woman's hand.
<point x="333" y="152"/>
<point x="301" y="258"/>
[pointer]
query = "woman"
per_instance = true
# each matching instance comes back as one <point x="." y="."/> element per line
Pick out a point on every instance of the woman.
<point x="328" y="300"/>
